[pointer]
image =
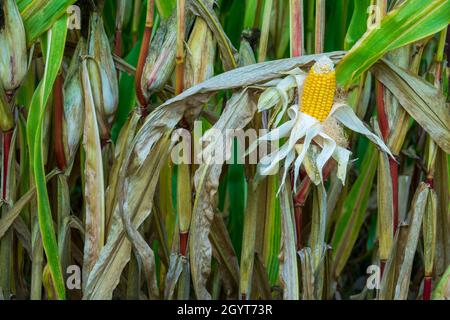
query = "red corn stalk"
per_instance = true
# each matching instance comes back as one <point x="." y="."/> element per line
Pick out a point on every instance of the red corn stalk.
<point x="58" y="123"/>
<point x="143" y="55"/>
<point x="119" y="23"/>
<point x="320" y="25"/>
<point x="393" y="164"/>
<point x="383" y="123"/>
<point x="118" y="47"/>
<point x="382" y="265"/>
<point x="184" y="236"/>
<point x="299" y="202"/>
<point x="296" y="28"/>
<point x="427" y="288"/>
<point x="179" y="87"/>
<point x="382" y="116"/>
<point x="118" y="43"/>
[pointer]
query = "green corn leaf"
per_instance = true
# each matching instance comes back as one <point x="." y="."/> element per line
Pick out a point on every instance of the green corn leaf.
<point x="412" y="21"/>
<point x="53" y="48"/>
<point x="251" y="6"/>
<point x="165" y="7"/>
<point x="358" y="24"/>
<point x="272" y="229"/>
<point x="237" y="189"/>
<point x="39" y="15"/>
<point x="442" y="288"/>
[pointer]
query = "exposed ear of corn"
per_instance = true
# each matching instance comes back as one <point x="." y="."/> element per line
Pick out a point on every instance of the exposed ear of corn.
<point x="319" y="90"/>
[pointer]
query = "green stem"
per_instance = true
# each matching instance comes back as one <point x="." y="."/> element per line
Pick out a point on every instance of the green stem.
<point x="265" y="30"/>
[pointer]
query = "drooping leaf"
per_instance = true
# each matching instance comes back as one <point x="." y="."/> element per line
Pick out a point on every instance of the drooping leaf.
<point x="411" y="21"/>
<point x="53" y="46"/>
<point x="39" y="15"/>
<point x="237" y="115"/>
<point x="422" y="101"/>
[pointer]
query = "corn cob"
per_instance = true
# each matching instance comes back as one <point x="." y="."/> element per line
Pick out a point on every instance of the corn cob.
<point x="319" y="90"/>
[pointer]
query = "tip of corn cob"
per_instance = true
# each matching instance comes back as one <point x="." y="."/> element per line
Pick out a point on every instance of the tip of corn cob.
<point x="323" y="65"/>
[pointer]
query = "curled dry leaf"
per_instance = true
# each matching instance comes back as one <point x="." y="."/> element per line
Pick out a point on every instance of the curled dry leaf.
<point x="418" y="206"/>
<point x="94" y="189"/>
<point x="238" y="113"/>
<point x="288" y="253"/>
<point x="421" y="100"/>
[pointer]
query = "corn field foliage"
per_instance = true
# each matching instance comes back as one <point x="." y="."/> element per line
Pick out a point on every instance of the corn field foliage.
<point x="113" y="115"/>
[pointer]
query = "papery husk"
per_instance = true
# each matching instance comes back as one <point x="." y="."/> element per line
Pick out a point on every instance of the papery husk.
<point x="160" y="61"/>
<point x="73" y="105"/>
<point x="13" y="53"/>
<point x="103" y="75"/>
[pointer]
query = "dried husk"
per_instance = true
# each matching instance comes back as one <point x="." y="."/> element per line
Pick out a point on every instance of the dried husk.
<point x="415" y="221"/>
<point x="73" y="105"/>
<point x="429" y="232"/>
<point x="94" y="189"/>
<point x="13" y="53"/>
<point x="160" y="61"/>
<point x="102" y="74"/>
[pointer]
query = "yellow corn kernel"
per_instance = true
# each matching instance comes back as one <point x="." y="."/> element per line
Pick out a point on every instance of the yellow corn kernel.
<point x="318" y="91"/>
